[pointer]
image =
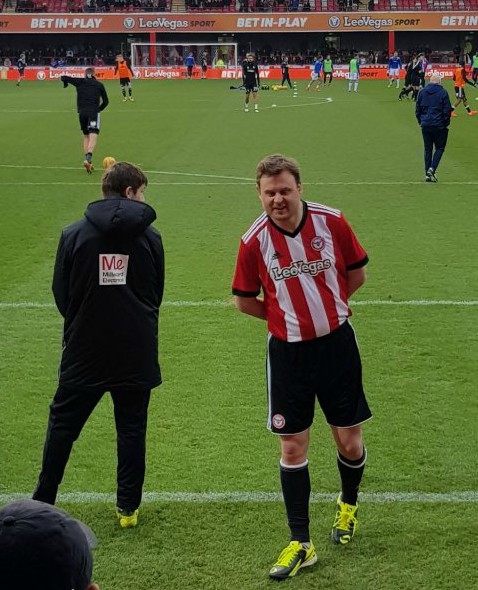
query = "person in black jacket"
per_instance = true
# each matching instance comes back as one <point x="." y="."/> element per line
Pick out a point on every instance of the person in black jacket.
<point x="433" y="112"/>
<point x="108" y="285"/>
<point x="285" y="72"/>
<point x="412" y="77"/>
<point x="91" y="100"/>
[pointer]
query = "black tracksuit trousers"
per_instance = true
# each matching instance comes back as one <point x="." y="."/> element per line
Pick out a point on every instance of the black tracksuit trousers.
<point x="69" y="412"/>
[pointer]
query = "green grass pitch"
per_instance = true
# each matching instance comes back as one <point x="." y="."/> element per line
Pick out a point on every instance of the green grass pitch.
<point x="359" y="153"/>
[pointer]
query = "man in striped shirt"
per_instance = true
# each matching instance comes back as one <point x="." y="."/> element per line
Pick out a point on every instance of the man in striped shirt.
<point x="307" y="262"/>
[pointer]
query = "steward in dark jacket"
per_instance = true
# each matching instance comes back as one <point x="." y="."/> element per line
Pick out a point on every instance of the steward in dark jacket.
<point x="433" y="107"/>
<point x="433" y="112"/>
<point x="108" y="285"/>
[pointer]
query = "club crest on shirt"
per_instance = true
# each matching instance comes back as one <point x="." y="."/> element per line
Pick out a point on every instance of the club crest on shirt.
<point x="278" y="421"/>
<point x="318" y="243"/>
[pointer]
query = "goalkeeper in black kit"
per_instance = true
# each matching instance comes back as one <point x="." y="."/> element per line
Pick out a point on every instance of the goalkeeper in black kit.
<point x="251" y="81"/>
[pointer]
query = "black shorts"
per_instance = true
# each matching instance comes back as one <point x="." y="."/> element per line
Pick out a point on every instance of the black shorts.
<point x="326" y="368"/>
<point x="204" y="68"/>
<point x="329" y="74"/>
<point x="415" y="80"/>
<point x="125" y="81"/>
<point x="190" y="70"/>
<point x="460" y="92"/>
<point x="251" y="87"/>
<point x="89" y="123"/>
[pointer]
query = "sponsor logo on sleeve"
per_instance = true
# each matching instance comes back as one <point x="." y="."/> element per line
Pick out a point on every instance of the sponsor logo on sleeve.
<point x="113" y="269"/>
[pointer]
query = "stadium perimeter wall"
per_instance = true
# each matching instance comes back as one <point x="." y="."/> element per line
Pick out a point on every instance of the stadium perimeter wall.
<point x="176" y="73"/>
<point x="364" y="41"/>
<point x="378" y="31"/>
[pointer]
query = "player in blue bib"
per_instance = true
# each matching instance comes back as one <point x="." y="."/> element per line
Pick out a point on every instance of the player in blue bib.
<point x="315" y="75"/>
<point x="394" y="68"/>
<point x="190" y="62"/>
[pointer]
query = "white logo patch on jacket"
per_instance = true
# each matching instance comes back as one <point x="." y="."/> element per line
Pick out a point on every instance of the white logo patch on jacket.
<point x="113" y="269"/>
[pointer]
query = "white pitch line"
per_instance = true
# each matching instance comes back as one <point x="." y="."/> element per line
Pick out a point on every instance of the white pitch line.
<point x="416" y="302"/>
<point x="259" y="497"/>
<point x="149" y="183"/>
<point x="389" y="183"/>
<point x="248" y="183"/>
<point x="302" y="104"/>
<point x="223" y="177"/>
<point x="35" y="111"/>
<point x="195" y="174"/>
<point x="38" y="305"/>
<point x="200" y="175"/>
<point x="220" y="303"/>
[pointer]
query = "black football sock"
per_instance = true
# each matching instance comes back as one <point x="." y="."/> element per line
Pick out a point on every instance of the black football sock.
<point x="295" y="482"/>
<point x="468" y="108"/>
<point x="89" y="156"/>
<point x="351" y="472"/>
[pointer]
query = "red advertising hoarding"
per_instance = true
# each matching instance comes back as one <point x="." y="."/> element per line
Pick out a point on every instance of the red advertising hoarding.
<point x="237" y="22"/>
<point x="233" y="74"/>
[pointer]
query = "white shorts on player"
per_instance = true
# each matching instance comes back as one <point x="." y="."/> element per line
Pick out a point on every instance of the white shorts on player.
<point x="353" y="81"/>
<point x="394" y="75"/>
<point x="314" y="76"/>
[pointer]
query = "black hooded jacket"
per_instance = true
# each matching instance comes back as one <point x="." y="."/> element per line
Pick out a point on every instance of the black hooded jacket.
<point x="108" y="285"/>
<point x="433" y="107"/>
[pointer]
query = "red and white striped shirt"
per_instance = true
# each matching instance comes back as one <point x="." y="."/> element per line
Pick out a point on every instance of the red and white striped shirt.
<point x="303" y="275"/>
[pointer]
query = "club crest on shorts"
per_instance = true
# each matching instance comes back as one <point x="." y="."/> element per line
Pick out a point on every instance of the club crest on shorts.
<point x="318" y="243"/>
<point x="278" y="421"/>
